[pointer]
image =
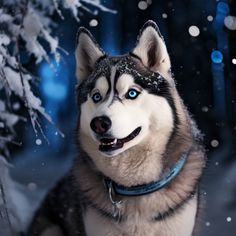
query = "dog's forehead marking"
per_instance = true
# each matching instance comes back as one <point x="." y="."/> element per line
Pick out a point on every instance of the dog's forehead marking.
<point x="124" y="82"/>
<point x="102" y="84"/>
<point x="112" y="84"/>
<point x="113" y="73"/>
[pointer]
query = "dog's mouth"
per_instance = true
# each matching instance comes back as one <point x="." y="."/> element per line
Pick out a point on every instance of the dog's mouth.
<point x="111" y="144"/>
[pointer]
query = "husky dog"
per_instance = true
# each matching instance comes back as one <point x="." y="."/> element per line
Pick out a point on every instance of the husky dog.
<point x="140" y="155"/>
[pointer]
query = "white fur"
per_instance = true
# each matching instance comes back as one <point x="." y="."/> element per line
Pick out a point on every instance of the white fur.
<point x="101" y="86"/>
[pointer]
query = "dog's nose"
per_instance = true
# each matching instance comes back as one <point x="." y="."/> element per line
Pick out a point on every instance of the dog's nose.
<point x="100" y="124"/>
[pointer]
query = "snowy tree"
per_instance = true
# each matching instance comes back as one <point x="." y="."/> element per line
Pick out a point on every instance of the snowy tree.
<point x="26" y="26"/>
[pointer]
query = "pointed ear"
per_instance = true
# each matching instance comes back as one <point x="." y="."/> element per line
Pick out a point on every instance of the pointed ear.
<point x="151" y="48"/>
<point x="87" y="53"/>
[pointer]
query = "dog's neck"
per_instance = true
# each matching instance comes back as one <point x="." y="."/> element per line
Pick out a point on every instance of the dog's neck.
<point x="140" y="190"/>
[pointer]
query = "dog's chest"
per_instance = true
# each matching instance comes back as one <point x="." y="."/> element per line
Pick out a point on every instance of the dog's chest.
<point x="181" y="223"/>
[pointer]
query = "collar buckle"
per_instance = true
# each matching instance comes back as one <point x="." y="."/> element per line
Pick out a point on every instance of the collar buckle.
<point x="116" y="204"/>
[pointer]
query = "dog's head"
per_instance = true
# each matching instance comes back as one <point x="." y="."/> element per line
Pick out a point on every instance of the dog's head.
<point x="124" y="101"/>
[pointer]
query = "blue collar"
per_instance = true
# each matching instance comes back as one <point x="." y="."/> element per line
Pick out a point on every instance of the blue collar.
<point x="144" y="189"/>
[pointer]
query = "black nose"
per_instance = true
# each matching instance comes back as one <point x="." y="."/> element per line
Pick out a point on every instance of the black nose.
<point x="100" y="124"/>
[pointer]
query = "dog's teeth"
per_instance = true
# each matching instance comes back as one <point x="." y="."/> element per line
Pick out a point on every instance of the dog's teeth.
<point x="111" y="143"/>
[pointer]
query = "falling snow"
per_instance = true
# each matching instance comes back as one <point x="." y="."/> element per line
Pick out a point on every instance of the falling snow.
<point x="93" y="23"/>
<point x="142" y="5"/>
<point x="214" y="143"/>
<point x="205" y="109"/>
<point x="210" y="18"/>
<point x="194" y="31"/>
<point x="164" y="15"/>
<point x="38" y="141"/>
<point x="208" y="223"/>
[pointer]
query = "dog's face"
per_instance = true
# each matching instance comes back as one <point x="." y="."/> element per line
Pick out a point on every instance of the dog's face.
<point x="125" y="100"/>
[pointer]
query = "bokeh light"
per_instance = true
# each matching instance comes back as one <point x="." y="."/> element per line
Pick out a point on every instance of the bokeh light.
<point x="216" y="56"/>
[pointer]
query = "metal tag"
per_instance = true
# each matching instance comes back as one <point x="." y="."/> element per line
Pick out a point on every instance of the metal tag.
<point x="116" y="204"/>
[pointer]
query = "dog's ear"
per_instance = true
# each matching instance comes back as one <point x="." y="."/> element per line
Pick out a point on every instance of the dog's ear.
<point x="87" y="53"/>
<point x="151" y="48"/>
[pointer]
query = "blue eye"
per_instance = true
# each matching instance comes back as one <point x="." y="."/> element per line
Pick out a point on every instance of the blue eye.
<point x="97" y="97"/>
<point x="132" y="94"/>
